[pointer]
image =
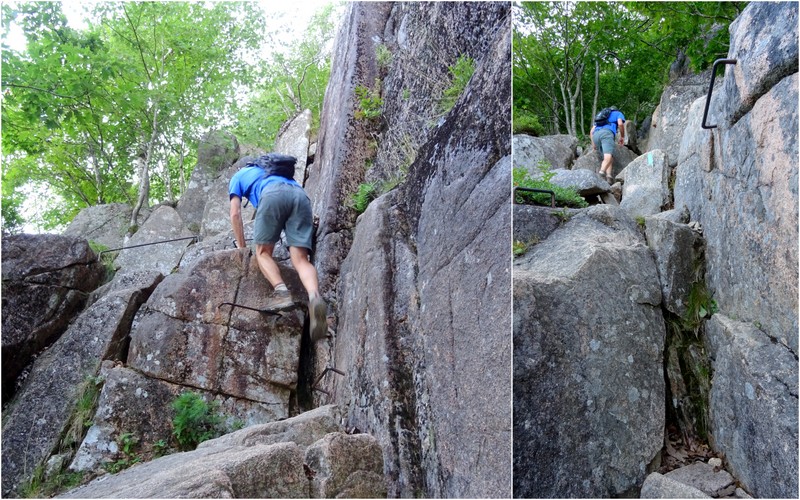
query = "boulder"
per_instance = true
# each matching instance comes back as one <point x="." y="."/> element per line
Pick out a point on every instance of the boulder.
<point x="346" y="466"/>
<point x="35" y="424"/>
<point x="646" y="187"/>
<point x="217" y="214"/>
<point x="293" y="140"/>
<point x="141" y="406"/>
<point x="710" y="480"/>
<point x="163" y="225"/>
<point x="679" y="260"/>
<point x="559" y="151"/>
<point x="304" y="430"/>
<point x="105" y="224"/>
<point x="216" y="152"/>
<point x="592" y="159"/>
<point x="753" y="407"/>
<point x="46" y="281"/>
<point x="260" y="471"/>
<point x="588" y="360"/>
<point x="586" y="183"/>
<point x="669" y="121"/>
<point x="185" y="335"/>
<point x="534" y="224"/>
<point x="659" y="486"/>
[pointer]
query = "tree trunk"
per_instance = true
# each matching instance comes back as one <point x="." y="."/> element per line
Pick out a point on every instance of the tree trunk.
<point x="144" y="180"/>
<point x="596" y="87"/>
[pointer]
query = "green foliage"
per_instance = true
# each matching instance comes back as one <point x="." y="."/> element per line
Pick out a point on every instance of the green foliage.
<point x="106" y="258"/>
<point x="127" y="444"/>
<point x="700" y="305"/>
<point x="383" y="56"/>
<point x="292" y="81"/>
<point x="564" y="196"/>
<point x="525" y="122"/>
<point x="195" y="420"/>
<point x="40" y="487"/>
<point x="641" y="221"/>
<point x="520" y="248"/>
<point x="160" y="448"/>
<point x="561" y="48"/>
<point x="369" y="102"/>
<point x="143" y="79"/>
<point x="460" y="74"/>
<point x="362" y="198"/>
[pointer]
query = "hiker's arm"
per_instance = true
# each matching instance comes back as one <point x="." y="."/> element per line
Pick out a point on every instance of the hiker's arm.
<point x="236" y="221"/>
<point x="591" y="137"/>
<point x="621" y="127"/>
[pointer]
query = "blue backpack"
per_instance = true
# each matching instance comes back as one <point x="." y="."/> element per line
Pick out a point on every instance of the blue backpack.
<point x="276" y="164"/>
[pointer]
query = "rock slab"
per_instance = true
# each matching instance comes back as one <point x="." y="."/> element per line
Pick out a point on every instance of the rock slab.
<point x="588" y="388"/>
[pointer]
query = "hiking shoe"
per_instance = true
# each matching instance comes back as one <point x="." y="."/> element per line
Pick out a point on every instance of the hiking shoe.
<point x="318" y="312"/>
<point x="281" y="299"/>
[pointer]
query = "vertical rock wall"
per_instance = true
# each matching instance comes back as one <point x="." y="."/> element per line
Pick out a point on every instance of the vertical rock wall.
<point x="422" y="293"/>
<point x="740" y="181"/>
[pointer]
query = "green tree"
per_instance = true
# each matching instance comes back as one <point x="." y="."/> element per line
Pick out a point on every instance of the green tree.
<point x="96" y="114"/>
<point x="293" y="80"/>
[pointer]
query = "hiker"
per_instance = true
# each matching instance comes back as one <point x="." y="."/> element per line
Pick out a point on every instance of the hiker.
<point x="602" y="136"/>
<point x="281" y="205"/>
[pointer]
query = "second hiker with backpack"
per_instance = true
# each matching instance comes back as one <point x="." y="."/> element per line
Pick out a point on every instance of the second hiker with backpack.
<point x="281" y="205"/>
<point x="602" y="134"/>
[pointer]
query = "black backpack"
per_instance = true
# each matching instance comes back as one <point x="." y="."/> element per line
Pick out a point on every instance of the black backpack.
<point x="602" y="117"/>
<point x="276" y="164"/>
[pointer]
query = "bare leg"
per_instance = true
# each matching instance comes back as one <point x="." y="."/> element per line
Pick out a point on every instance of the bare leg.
<point x="268" y="266"/>
<point x="306" y="270"/>
<point x="608" y="163"/>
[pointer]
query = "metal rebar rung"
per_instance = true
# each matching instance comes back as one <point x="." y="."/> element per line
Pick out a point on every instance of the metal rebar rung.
<point x="325" y="372"/>
<point x="711" y="89"/>
<point x="262" y="311"/>
<point x="537" y="190"/>
<point x="147" y="244"/>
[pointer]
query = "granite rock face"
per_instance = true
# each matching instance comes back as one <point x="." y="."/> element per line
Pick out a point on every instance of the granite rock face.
<point x="46" y="282"/>
<point x="424" y="375"/>
<point x="753" y="407"/>
<point x="293" y="140"/>
<point x="669" y="121"/>
<point x="588" y="388"/>
<point x="740" y="181"/>
<point x="40" y="414"/>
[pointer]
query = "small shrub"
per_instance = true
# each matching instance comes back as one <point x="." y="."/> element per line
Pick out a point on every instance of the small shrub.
<point x="40" y="487"/>
<point x="564" y="196"/>
<point x="383" y="56"/>
<point x="369" y="102"/>
<point x="361" y="198"/>
<point x="519" y="248"/>
<point x="525" y="122"/>
<point x="700" y="306"/>
<point x="195" y="420"/>
<point x="641" y="221"/>
<point x="406" y="94"/>
<point x="460" y="73"/>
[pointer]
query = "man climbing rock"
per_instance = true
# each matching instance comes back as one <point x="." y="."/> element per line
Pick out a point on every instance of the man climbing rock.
<point x="281" y="205"/>
<point x="602" y="136"/>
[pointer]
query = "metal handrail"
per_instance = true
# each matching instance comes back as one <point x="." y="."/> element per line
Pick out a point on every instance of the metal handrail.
<point x="537" y="190"/>
<point x="711" y="89"/>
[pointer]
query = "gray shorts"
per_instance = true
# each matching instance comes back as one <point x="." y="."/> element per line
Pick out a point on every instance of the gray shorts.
<point x="284" y="208"/>
<point x="603" y="138"/>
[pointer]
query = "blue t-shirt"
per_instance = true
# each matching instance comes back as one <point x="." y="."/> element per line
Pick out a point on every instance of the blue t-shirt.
<point x="250" y="181"/>
<point x="612" y="121"/>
